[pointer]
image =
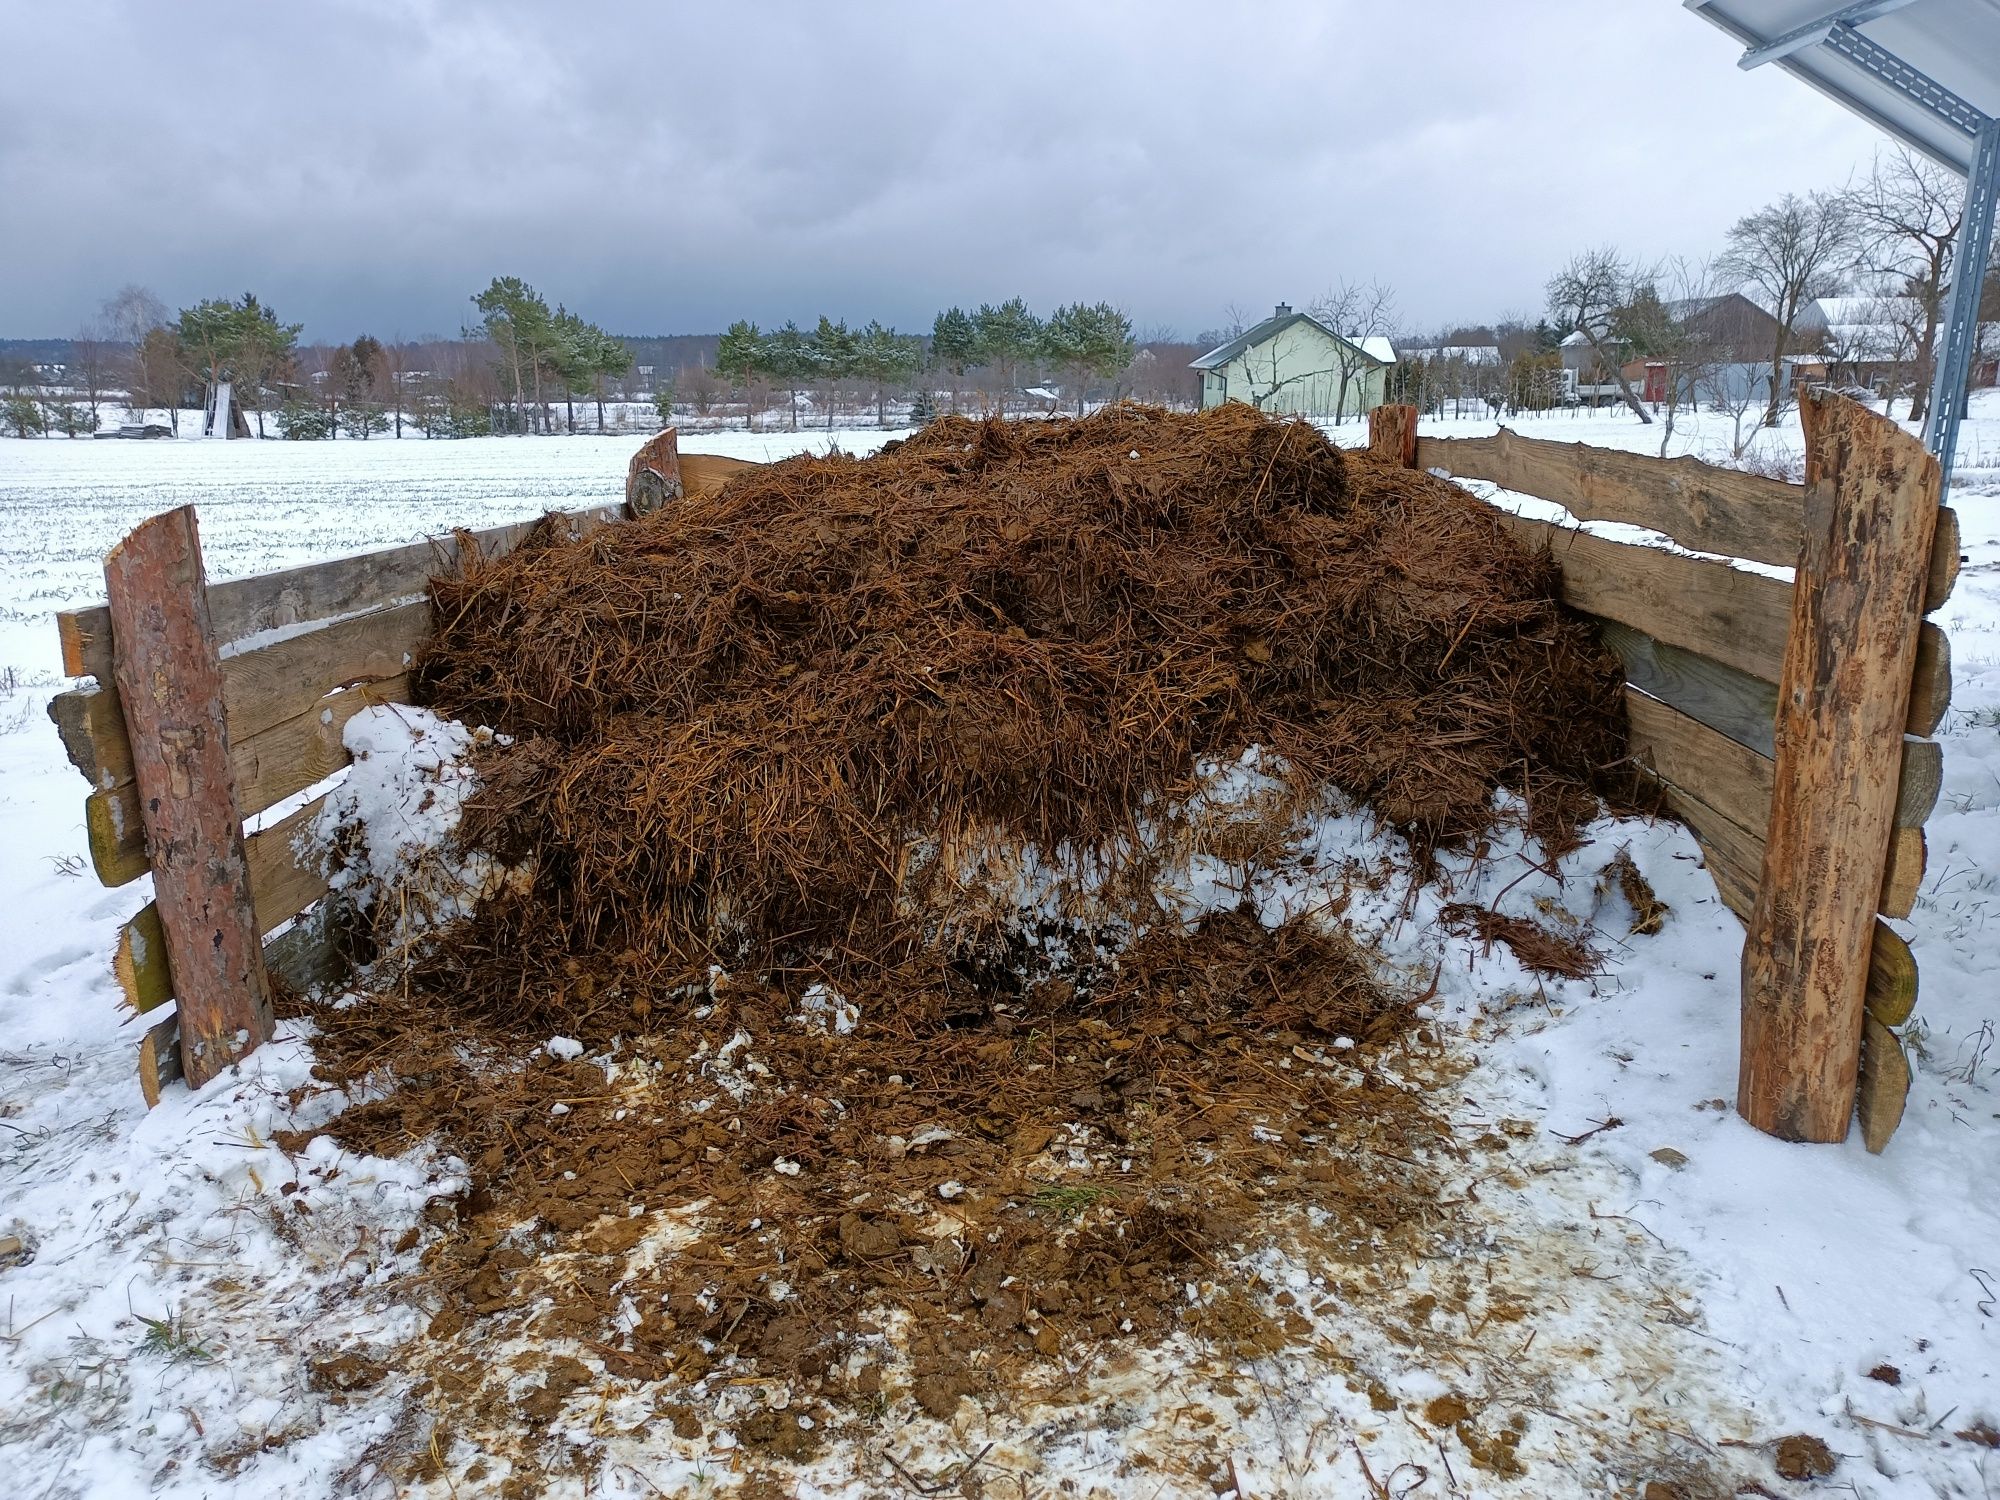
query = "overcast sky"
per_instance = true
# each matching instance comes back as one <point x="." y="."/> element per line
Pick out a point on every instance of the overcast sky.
<point x="365" y="166"/>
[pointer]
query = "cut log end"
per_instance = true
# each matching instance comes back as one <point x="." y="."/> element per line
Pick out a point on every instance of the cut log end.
<point x="160" y="1059"/>
<point x="1884" y="1088"/>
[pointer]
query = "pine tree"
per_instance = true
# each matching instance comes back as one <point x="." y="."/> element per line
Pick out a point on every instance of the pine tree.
<point x="787" y="357"/>
<point x="517" y="320"/>
<point x="835" y="356"/>
<point x="1008" y="335"/>
<point x="955" y="346"/>
<point x="738" y="359"/>
<point x="885" y="358"/>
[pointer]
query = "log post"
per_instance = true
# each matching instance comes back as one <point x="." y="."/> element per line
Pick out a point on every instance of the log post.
<point x="1392" y="435"/>
<point x="1843" y="696"/>
<point x="169" y="679"/>
<point x="654" y="476"/>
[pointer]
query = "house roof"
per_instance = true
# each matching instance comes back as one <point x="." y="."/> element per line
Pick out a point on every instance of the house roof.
<point x="1374" y="346"/>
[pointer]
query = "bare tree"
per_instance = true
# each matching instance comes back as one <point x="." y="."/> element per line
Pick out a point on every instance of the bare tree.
<point x="93" y="367"/>
<point x="1673" y="323"/>
<point x="1264" y="366"/>
<point x="1906" y="217"/>
<point x="1792" y="251"/>
<point x="1355" y="311"/>
<point x="1590" y="294"/>
<point x="126" y="318"/>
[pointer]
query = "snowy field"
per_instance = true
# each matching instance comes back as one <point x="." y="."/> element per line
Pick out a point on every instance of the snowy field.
<point x="1696" y="1291"/>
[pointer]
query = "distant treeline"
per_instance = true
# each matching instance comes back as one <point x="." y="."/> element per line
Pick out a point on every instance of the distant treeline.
<point x="524" y="366"/>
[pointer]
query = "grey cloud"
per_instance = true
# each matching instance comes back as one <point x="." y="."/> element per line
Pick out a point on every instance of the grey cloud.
<point x="668" y="167"/>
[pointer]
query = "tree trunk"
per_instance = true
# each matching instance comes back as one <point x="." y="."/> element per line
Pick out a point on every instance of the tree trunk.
<point x="1777" y="394"/>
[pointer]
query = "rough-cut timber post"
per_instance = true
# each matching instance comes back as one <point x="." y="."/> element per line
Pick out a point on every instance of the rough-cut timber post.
<point x="654" y="476"/>
<point x="1843" y="696"/>
<point x="169" y="677"/>
<point x="1392" y="435"/>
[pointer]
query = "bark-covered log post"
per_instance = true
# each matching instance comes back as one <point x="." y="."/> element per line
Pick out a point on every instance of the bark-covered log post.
<point x="169" y="679"/>
<point x="653" y="478"/>
<point x="1871" y="508"/>
<point x="1392" y="435"/>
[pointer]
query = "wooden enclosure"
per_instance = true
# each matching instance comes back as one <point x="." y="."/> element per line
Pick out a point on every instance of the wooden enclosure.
<point x="1810" y="819"/>
<point x="1787" y="724"/>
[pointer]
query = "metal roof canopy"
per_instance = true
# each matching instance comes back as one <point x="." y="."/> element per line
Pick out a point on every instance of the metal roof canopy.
<point x="1928" y="73"/>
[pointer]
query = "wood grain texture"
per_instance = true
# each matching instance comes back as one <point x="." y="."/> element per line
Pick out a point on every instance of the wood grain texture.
<point x="1892" y="977"/>
<point x="1392" y="435"/>
<point x="290" y="756"/>
<point x="1733" y="703"/>
<point x="159" y="1059"/>
<point x="1709" y="608"/>
<point x="705" y="473"/>
<point x="1736" y="780"/>
<point x="1946" y="555"/>
<point x="92" y="729"/>
<point x="1930" y="681"/>
<point x="245" y="607"/>
<point x="114" y="831"/>
<point x="1702" y="507"/>
<point x="140" y="962"/>
<point x="282" y="884"/>
<point x="170" y="681"/>
<point x="1902" y="872"/>
<point x="1731" y="778"/>
<point x="653" y="477"/>
<point x="1843" y="701"/>
<point x="1884" y="1085"/>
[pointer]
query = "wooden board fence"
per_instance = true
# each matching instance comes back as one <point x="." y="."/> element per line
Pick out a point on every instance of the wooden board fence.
<point x="1727" y="719"/>
<point x="290" y="657"/>
<point x="1785" y="723"/>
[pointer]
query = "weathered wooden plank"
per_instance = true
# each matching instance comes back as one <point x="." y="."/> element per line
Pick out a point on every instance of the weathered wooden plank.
<point x="1946" y="554"/>
<point x="1883" y="1085"/>
<point x="705" y="473"/>
<point x="1700" y="506"/>
<point x="243" y="607"/>
<point x="1843" y="700"/>
<point x="289" y="757"/>
<point x="1731" y="778"/>
<point x="114" y="830"/>
<point x="1392" y="435"/>
<point x="1733" y="703"/>
<point x="1892" y="977"/>
<point x="140" y="962"/>
<point x="1930" y="681"/>
<point x="159" y="1059"/>
<point x="281" y="884"/>
<point x="1736" y="780"/>
<point x="170" y="681"/>
<point x="265" y="687"/>
<point x="1723" y="613"/>
<point x="92" y="729"/>
<point x="303" y="956"/>
<point x="270" y="765"/>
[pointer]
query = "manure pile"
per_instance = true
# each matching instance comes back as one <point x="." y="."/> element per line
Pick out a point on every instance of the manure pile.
<point x="764" y="728"/>
<point x="816" y="1151"/>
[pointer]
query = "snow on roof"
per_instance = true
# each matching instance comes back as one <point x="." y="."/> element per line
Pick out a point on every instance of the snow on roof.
<point x="1374" y="346"/>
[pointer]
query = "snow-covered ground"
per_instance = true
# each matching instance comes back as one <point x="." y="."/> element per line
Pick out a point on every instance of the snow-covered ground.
<point x="1696" y="1290"/>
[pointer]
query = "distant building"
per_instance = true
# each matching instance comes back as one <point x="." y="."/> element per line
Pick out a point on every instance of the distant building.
<point x="1292" y="363"/>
